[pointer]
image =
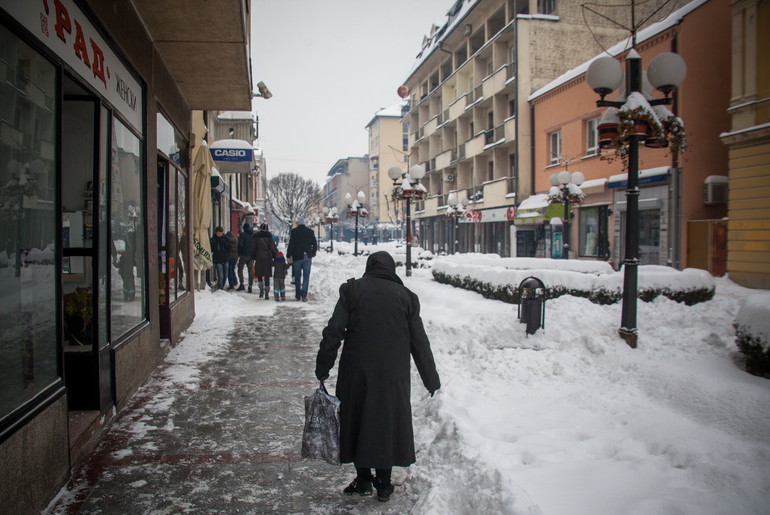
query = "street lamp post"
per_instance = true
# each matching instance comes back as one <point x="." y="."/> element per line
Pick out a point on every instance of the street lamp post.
<point x="455" y="209"/>
<point x="332" y="217"/>
<point x="565" y="188"/>
<point x="604" y="75"/>
<point x="409" y="188"/>
<point x="356" y="208"/>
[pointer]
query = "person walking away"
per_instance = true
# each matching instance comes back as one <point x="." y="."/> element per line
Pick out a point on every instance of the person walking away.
<point x="220" y="255"/>
<point x="300" y="253"/>
<point x="264" y="253"/>
<point x="232" y="260"/>
<point x="379" y="319"/>
<point x="280" y="268"/>
<point x="246" y="251"/>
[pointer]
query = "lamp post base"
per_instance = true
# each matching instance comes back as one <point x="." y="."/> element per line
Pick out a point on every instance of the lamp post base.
<point x="629" y="335"/>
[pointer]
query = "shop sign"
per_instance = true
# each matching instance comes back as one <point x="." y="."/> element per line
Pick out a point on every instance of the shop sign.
<point x="65" y="30"/>
<point x="500" y="214"/>
<point x="231" y="154"/>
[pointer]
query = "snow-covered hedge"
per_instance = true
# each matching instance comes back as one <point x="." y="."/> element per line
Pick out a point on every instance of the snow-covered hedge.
<point x="752" y="331"/>
<point x="499" y="278"/>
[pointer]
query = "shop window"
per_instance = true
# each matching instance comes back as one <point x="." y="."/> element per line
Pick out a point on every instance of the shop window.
<point x="129" y="295"/>
<point x="28" y="339"/>
<point x="182" y="255"/>
<point x="592" y="233"/>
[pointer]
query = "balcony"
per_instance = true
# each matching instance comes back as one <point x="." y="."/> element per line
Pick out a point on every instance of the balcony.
<point x="444" y="159"/>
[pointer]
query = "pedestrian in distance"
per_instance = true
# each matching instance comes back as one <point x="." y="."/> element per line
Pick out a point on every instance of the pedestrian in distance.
<point x="220" y="255"/>
<point x="246" y="253"/>
<point x="379" y="320"/>
<point x="280" y="269"/>
<point x="264" y="253"/>
<point x="232" y="260"/>
<point x="300" y="253"/>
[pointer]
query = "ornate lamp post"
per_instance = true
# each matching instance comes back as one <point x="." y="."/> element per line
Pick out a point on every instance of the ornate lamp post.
<point x="638" y="123"/>
<point x="332" y="217"/>
<point x="565" y="187"/>
<point x="409" y="188"/>
<point x="455" y="209"/>
<point x="356" y="208"/>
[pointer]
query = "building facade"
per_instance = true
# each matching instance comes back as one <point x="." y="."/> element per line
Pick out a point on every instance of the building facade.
<point x="748" y="141"/>
<point x="468" y="112"/>
<point x="677" y="189"/>
<point x="95" y="138"/>
<point x="348" y="176"/>
<point x="388" y="146"/>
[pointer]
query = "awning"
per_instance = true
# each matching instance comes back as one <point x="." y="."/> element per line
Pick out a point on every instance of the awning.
<point x="648" y="176"/>
<point x="233" y="155"/>
<point x="536" y="209"/>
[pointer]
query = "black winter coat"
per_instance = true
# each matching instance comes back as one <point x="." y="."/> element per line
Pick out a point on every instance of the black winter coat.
<point x="382" y="329"/>
<point x="246" y="243"/>
<point x="220" y="249"/>
<point x="264" y="252"/>
<point x="302" y="240"/>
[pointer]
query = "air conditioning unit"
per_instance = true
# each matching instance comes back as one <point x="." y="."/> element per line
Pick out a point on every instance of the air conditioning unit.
<point x="450" y="177"/>
<point x="715" y="190"/>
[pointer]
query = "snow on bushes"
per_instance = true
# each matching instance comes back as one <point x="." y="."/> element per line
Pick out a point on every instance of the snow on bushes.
<point x="499" y="278"/>
<point x="752" y="331"/>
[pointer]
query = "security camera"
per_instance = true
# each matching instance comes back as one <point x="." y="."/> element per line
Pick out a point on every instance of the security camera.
<point x="263" y="91"/>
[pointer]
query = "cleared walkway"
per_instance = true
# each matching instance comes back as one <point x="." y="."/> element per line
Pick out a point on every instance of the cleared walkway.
<point x="231" y="444"/>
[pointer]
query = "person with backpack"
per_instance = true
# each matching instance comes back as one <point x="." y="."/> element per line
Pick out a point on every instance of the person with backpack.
<point x="379" y="319"/>
<point x="246" y="252"/>
<point x="264" y="253"/>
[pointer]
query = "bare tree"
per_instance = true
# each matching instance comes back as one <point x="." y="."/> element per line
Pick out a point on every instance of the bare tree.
<point x="291" y="197"/>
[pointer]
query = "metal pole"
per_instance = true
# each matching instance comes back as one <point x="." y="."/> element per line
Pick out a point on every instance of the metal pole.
<point x="355" y="245"/>
<point x="628" y="330"/>
<point x="565" y="246"/>
<point x="408" y="239"/>
<point x="331" y="235"/>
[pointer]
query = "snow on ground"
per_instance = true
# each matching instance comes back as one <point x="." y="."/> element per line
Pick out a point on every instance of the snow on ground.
<point x="566" y="421"/>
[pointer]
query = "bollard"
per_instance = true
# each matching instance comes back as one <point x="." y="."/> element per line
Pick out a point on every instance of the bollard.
<point x="532" y="304"/>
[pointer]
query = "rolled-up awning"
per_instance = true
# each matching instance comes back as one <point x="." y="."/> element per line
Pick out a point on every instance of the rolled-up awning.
<point x="536" y="210"/>
<point x="233" y="155"/>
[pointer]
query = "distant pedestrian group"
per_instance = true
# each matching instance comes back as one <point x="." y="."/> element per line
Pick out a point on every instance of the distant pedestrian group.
<point x="258" y="253"/>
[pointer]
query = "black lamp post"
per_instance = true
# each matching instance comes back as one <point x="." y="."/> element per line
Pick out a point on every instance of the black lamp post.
<point x="407" y="189"/>
<point x="604" y="75"/>
<point x="565" y="188"/>
<point x="332" y="217"/>
<point x="356" y="208"/>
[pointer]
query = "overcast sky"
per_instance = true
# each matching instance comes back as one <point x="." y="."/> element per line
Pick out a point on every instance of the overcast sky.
<point x="330" y="65"/>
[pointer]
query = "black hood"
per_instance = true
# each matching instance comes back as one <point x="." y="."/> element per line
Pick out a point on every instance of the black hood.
<point x="381" y="265"/>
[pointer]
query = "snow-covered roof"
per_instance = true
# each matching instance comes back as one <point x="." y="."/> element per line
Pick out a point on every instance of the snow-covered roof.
<point x="643" y="35"/>
<point x="537" y="201"/>
<point x="235" y="115"/>
<point x="393" y="111"/>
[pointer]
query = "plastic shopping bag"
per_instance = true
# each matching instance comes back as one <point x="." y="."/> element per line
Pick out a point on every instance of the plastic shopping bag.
<point x="321" y="436"/>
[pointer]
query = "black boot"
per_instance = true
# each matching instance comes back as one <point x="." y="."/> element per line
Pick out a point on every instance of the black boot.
<point x="362" y="484"/>
<point x="383" y="485"/>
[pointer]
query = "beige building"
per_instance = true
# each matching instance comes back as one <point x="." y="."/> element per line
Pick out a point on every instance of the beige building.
<point x="468" y="114"/>
<point x="388" y="146"/>
<point x="348" y="175"/>
<point x="748" y="230"/>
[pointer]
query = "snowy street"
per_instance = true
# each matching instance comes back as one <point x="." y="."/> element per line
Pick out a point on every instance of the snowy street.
<point x="568" y="421"/>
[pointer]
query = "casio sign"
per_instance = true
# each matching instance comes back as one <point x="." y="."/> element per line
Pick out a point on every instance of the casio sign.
<point x="230" y="154"/>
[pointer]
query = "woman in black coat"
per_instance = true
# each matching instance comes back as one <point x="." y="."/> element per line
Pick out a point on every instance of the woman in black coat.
<point x="264" y="253"/>
<point x="381" y="325"/>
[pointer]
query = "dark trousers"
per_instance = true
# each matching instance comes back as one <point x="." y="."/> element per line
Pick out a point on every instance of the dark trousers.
<point x="383" y="475"/>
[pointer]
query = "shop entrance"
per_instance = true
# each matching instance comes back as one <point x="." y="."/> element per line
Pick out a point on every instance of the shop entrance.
<point x="85" y="255"/>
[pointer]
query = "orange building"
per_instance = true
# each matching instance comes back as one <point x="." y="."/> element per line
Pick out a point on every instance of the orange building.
<point x="682" y="196"/>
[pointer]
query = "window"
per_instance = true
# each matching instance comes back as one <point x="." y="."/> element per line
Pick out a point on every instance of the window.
<point x="554" y="150"/>
<point x="546" y="6"/>
<point x="128" y="299"/>
<point x="592" y="233"/>
<point x="28" y="340"/>
<point x="592" y="137"/>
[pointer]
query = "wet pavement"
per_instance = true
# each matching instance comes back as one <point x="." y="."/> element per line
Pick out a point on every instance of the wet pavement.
<point x="231" y="443"/>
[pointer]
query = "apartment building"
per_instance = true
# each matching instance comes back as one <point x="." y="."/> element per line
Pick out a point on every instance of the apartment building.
<point x="469" y="118"/>
<point x="681" y="194"/>
<point x="748" y="141"/>
<point x="348" y="176"/>
<point x="388" y="146"/>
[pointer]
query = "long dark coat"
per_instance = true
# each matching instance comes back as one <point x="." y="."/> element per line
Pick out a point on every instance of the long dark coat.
<point x="264" y="252"/>
<point x="381" y="332"/>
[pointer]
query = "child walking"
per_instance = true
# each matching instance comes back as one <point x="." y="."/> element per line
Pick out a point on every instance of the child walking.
<point x="280" y="268"/>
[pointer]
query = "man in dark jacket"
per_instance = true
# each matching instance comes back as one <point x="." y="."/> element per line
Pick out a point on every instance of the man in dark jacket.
<point x="379" y="319"/>
<point x="246" y="255"/>
<point x="220" y="255"/>
<point x="300" y="253"/>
